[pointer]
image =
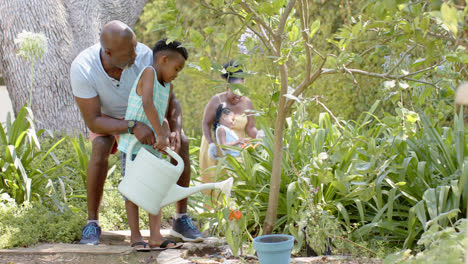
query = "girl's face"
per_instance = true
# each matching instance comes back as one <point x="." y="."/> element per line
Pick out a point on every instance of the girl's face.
<point x="170" y="66"/>
<point x="227" y="120"/>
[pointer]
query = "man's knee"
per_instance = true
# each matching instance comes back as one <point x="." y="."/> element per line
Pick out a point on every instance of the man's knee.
<point x="102" y="147"/>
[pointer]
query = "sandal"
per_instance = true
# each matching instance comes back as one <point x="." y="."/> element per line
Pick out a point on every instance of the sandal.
<point x="165" y="244"/>
<point x="145" y="247"/>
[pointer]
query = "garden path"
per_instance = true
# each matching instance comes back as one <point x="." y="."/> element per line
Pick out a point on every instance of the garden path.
<point x="114" y="248"/>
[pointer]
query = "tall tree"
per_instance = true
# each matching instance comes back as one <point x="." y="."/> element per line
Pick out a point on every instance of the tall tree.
<point x="413" y="43"/>
<point x="70" y="27"/>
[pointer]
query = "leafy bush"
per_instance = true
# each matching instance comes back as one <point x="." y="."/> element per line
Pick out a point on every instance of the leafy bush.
<point x="30" y="223"/>
<point x="21" y="157"/>
<point x="365" y="180"/>
<point x="441" y="245"/>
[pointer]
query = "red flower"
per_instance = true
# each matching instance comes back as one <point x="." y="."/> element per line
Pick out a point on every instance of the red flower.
<point x="235" y="214"/>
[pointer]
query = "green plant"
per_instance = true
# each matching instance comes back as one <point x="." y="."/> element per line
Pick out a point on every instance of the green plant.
<point x="30" y="223"/>
<point x="441" y="245"/>
<point x="21" y="158"/>
<point x="32" y="47"/>
<point x="83" y="157"/>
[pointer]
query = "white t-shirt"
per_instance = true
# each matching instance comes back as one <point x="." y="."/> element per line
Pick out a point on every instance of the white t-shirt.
<point x="88" y="79"/>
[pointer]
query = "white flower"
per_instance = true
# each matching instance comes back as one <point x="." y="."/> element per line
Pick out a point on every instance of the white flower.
<point x="31" y="45"/>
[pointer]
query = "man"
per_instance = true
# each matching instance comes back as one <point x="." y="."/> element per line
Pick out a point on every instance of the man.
<point x="101" y="78"/>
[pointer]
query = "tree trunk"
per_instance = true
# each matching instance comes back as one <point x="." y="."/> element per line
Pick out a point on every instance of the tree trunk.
<point x="70" y="26"/>
<point x="275" y="182"/>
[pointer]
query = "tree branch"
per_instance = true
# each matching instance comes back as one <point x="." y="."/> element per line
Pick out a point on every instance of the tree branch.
<point x="257" y="18"/>
<point x="381" y="75"/>
<point x="263" y="37"/>
<point x="265" y="41"/>
<point x="426" y="69"/>
<point x="304" y="84"/>
<point x="315" y="51"/>
<point x="329" y="112"/>
<point x="305" y="37"/>
<point x="400" y="60"/>
<point x="284" y="18"/>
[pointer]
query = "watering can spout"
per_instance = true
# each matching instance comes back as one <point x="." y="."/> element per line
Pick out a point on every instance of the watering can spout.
<point x="177" y="192"/>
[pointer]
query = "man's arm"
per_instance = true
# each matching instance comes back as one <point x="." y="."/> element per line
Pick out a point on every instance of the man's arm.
<point x="174" y="118"/>
<point x="91" y="111"/>
<point x="174" y="113"/>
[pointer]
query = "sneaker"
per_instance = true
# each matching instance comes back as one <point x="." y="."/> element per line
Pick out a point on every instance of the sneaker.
<point x="90" y="234"/>
<point x="183" y="228"/>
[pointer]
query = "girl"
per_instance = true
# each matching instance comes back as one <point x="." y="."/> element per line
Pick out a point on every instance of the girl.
<point x="222" y="125"/>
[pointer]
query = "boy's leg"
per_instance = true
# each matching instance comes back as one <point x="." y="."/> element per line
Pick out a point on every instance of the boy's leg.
<point x="96" y="175"/>
<point x="182" y="225"/>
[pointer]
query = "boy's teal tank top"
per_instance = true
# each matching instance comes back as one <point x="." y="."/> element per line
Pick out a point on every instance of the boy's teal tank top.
<point x="136" y="112"/>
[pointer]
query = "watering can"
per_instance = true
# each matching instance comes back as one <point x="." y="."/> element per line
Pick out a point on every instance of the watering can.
<point x="151" y="182"/>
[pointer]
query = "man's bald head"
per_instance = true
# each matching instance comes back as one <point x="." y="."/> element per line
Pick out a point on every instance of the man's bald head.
<point x="116" y="33"/>
<point x="118" y="44"/>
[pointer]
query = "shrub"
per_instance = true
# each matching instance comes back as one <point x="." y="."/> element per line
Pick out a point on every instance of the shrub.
<point x="30" y="223"/>
<point x="441" y="245"/>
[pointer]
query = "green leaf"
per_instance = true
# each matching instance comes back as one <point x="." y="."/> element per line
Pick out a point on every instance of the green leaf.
<point x="447" y="215"/>
<point x="205" y="64"/>
<point x="390" y="202"/>
<point x="449" y="15"/>
<point x="425" y="24"/>
<point x="293" y="33"/>
<point x="390" y="5"/>
<point x="429" y="197"/>
<point x="418" y="62"/>
<point x="197" y="38"/>
<point x="208" y="30"/>
<point x="343" y="212"/>
<point x="314" y="28"/>
<point x="420" y="212"/>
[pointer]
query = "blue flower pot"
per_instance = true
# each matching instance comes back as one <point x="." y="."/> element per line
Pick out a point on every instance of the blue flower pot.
<point x="274" y="249"/>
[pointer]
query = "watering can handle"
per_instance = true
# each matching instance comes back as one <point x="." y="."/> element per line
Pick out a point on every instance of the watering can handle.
<point x="174" y="155"/>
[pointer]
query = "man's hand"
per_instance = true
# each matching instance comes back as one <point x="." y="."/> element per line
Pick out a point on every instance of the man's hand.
<point x="174" y="141"/>
<point x="144" y="134"/>
<point x="212" y="151"/>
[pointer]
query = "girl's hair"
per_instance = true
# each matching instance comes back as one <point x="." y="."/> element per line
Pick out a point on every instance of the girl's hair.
<point x="229" y="75"/>
<point x="175" y="46"/>
<point x="221" y="110"/>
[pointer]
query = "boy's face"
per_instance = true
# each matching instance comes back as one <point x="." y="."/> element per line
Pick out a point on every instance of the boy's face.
<point x="171" y="65"/>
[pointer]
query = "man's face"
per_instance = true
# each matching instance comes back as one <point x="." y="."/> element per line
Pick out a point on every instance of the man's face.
<point x="124" y="55"/>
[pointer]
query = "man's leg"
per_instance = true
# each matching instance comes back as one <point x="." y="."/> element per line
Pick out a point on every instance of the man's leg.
<point x="182" y="225"/>
<point x="95" y="178"/>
